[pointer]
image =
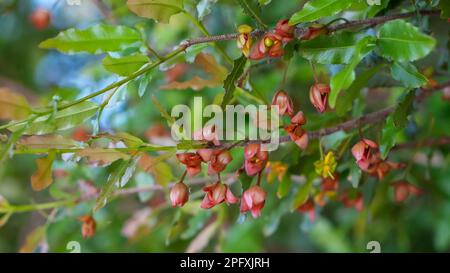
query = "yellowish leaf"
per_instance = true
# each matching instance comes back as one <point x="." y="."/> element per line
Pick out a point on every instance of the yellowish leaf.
<point x="207" y="63"/>
<point x="34" y="239"/>
<point x="158" y="168"/>
<point x="42" y="178"/>
<point x="13" y="105"/>
<point x="159" y="10"/>
<point x="103" y="156"/>
<point x="47" y="142"/>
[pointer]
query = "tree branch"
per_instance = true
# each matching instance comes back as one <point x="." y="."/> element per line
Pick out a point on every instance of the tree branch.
<point x="382" y="19"/>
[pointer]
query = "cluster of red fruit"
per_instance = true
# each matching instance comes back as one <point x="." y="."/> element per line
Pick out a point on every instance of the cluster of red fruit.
<point x="253" y="199"/>
<point x="365" y="152"/>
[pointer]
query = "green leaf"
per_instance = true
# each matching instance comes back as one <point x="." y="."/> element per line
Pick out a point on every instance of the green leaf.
<point x="401" y="41"/>
<point x="344" y="78"/>
<point x="395" y="123"/>
<point x="62" y="120"/>
<point x="355" y="174"/>
<point x="375" y="9"/>
<point x="143" y="180"/>
<point x="43" y="178"/>
<point x="388" y="137"/>
<point x="13" y="105"/>
<point x="159" y="10"/>
<point x="339" y="48"/>
<point x="284" y="186"/>
<point x="444" y="5"/>
<point x="121" y="172"/>
<point x="204" y="8"/>
<point x="34" y="239"/>
<point x="144" y="81"/>
<point x="230" y="81"/>
<point x="303" y="192"/>
<point x="344" y="103"/>
<point x="403" y="109"/>
<point x="317" y="9"/>
<point x="170" y="120"/>
<point x="252" y="9"/>
<point x="125" y="66"/>
<point x="96" y="39"/>
<point x="6" y="150"/>
<point x="128" y="139"/>
<point x="47" y="142"/>
<point x="407" y="74"/>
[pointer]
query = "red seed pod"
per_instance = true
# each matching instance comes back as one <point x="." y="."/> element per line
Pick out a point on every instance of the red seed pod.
<point x="253" y="200"/>
<point x="363" y="153"/>
<point x="219" y="161"/>
<point x="284" y="103"/>
<point x="88" y="226"/>
<point x="217" y="193"/>
<point x="255" y="159"/>
<point x="284" y="30"/>
<point x="179" y="194"/>
<point x="318" y="95"/>
<point x="192" y="161"/>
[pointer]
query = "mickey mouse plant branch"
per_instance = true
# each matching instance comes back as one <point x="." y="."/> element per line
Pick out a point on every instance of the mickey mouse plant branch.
<point x="270" y="45"/>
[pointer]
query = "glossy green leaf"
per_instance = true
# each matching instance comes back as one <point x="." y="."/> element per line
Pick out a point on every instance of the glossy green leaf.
<point x="388" y="137"/>
<point x="444" y="5"/>
<point x="159" y="10"/>
<point x="317" y="9"/>
<point x="124" y="66"/>
<point x="344" y="78"/>
<point x="407" y="74"/>
<point x="344" y="103"/>
<point x="284" y="186"/>
<point x="253" y="10"/>
<point x="143" y="180"/>
<point x="303" y="193"/>
<point x="230" y="81"/>
<point x="96" y="39"/>
<point x="355" y="175"/>
<point x="169" y="119"/>
<point x="120" y="173"/>
<point x="62" y="120"/>
<point x="204" y="8"/>
<point x="339" y="48"/>
<point x="395" y="123"/>
<point x="403" y="109"/>
<point x="401" y="41"/>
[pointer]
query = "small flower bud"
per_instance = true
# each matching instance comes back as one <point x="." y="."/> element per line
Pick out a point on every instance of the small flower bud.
<point x="88" y="226"/>
<point x="244" y="40"/>
<point x="318" y="95"/>
<point x="255" y="159"/>
<point x="284" y="103"/>
<point x="179" y="194"/>
<point x="284" y="30"/>
<point x="253" y="200"/>
<point x="219" y="161"/>
<point x="216" y="194"/>
<point x="363" y="153"/>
